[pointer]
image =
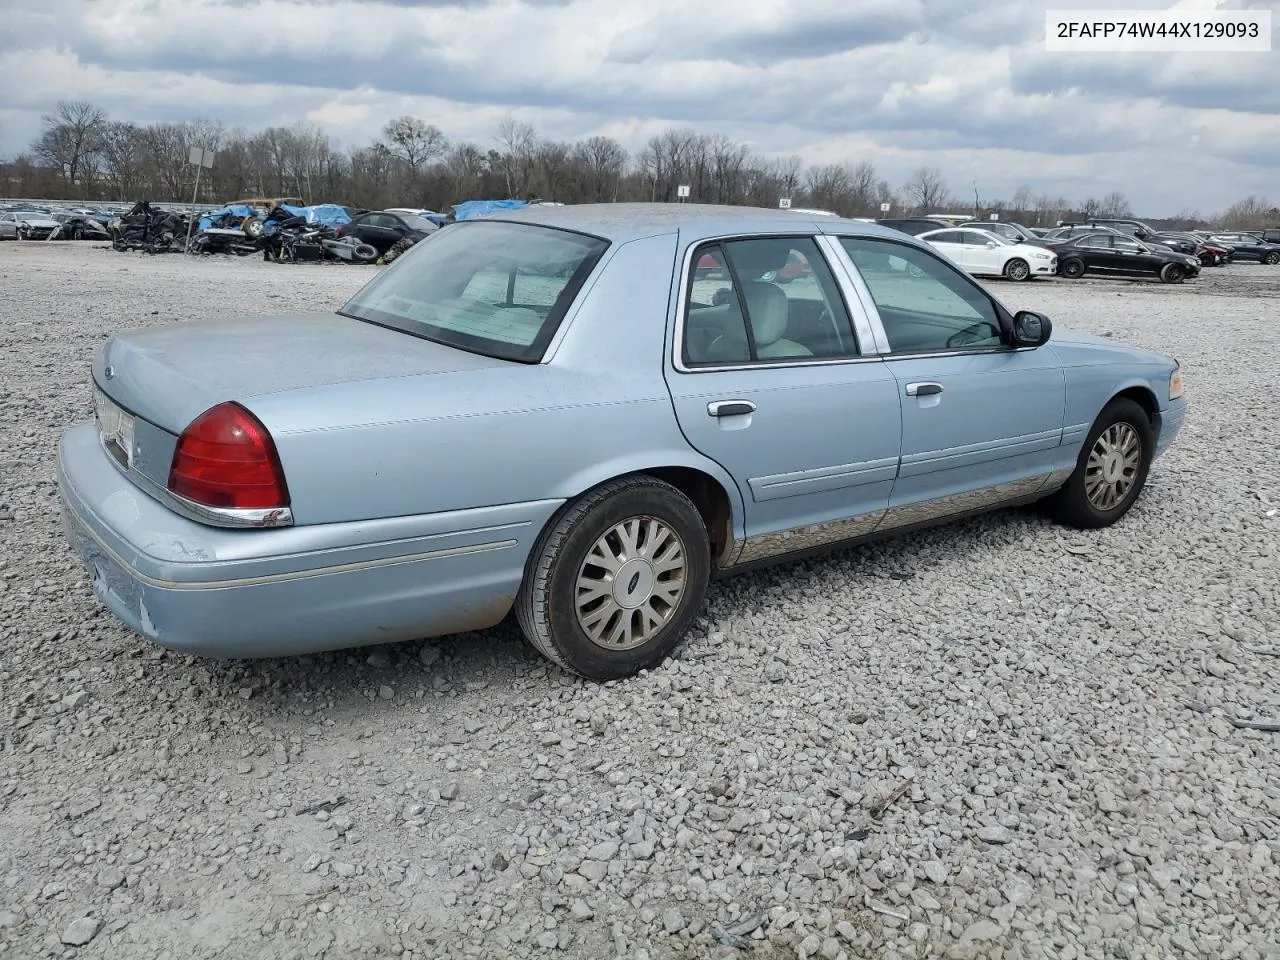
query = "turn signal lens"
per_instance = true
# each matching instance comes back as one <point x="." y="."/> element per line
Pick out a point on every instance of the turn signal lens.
<point x="1175" y="384"/>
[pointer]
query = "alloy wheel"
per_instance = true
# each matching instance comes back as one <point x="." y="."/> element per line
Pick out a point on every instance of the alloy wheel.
<point x="630" y="584"/>
<point x="1113" y="466"/>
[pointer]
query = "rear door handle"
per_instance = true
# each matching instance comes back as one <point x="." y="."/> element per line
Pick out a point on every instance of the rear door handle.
<point x="730" y="408"/>
<point x="923" y="389"/>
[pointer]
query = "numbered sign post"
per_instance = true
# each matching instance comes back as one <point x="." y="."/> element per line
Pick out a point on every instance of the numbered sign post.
<point x="784" y="203"/>
<point x="201" y="159"/>
<point x="682" y="192"/>
<point x="884" y="208"/>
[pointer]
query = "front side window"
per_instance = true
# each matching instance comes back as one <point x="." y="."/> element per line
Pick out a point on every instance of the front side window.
<point x="488" y="287"/>
<point x="760" y="300"/>
<point x="925" y="305"/>
<point x="1127" y="246"/>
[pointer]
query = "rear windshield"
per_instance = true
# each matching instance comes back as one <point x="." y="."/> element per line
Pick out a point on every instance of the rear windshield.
<point x="418" y="223"/>
<point x="489" y="287"/>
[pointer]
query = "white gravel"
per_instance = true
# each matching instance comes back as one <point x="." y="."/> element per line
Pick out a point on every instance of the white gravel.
<point x="997" y="739"/>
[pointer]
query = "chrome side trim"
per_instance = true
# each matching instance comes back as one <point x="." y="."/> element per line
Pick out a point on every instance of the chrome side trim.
<point x="823" y="478"/>
<point x="778" y="543"/>
<point x="356" y="567"/>
<point x="979" y="499"/>
<point x="682" y="304"/>
<point x="915" y="464"/>
<point x="762" y="546"/>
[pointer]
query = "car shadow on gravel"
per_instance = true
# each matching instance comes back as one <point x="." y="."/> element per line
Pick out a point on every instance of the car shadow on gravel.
<point x="360" y="677"/>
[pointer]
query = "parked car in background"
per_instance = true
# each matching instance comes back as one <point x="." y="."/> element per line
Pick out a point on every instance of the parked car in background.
<point x="1013" y="232"/>
<point x="984" y="254"/>
<point x="1116" y="255"/>
<point x="1209" y="254"/>
<point x="912" y="226"/>
<point x="1133" y="228"/>
<point x="229" y="504"/>
<point x="414" y="211"/>
<point x="1246" y="246"/>
<point x="21" y="225"/>
<point x="383" y="230"/>
<point x="950" y="219"/>
<point x="1078" y="230"/>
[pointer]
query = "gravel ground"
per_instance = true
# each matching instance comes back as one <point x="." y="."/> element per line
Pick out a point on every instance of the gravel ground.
<point x="995" y="739"/>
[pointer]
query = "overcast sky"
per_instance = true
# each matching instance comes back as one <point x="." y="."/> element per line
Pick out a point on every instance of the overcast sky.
<point x="963" y="85"/>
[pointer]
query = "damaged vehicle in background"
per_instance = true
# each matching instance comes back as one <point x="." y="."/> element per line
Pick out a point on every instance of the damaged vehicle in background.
<point x="27" y="226"/>
<point x="388" y="233"/>
<point x="81" y="226"/>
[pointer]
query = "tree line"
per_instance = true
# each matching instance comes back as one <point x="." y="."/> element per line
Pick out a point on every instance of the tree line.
<point x="83" y="154"/>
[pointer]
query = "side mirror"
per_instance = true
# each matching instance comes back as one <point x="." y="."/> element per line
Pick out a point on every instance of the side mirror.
<point x="991" y="244"/>
<point x="1031" y="329"/>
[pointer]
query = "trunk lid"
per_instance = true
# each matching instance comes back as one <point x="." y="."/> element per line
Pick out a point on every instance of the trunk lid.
<point x="170" y="374"/>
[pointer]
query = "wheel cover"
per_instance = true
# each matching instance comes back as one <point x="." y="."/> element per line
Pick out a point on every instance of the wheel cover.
<point x="1112" y="467"/>
<point x="630" y="583"/>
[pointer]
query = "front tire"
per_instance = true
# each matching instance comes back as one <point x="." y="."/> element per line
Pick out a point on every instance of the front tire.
<point x="1272" y="258"/>
<point x="1171" y="273"/>
<point x="616" y="580"/>
<point x="1111" y="469"/>
<point x="1017" y="270"/>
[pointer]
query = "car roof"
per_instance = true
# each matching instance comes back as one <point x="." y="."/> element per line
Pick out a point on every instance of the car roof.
<point x="621" y="222"/>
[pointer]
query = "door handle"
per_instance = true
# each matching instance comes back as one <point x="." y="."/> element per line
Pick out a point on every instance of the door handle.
<point x="923" y="389"/>
<point x="730" y="408"/>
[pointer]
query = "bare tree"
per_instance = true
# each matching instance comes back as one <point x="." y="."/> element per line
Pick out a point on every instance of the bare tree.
<point x="600" y="162"/>
<point x="1114" y="204"/>
<point x="71" y="137"/>
<point x="927" y="190"/>
<point x="414" y="141"/>
<point x="519" y="142"/>
<point x="1251" y="212"/>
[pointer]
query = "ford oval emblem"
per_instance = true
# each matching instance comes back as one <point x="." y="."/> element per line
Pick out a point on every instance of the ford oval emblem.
<point x="109" y="372"/>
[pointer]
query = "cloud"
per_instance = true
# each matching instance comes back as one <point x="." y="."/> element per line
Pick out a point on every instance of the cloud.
<point x="962" y="85"/>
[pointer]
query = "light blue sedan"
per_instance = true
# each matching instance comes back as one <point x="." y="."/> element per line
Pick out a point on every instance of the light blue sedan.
<point x="582" y="414"/>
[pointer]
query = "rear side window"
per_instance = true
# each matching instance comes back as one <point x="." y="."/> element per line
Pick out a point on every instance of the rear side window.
<point x="762" y="300"/>
<point x="489" y="287"/>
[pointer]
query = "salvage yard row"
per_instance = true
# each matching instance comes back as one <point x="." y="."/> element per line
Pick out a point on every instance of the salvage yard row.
<point x="1002" y="733"/>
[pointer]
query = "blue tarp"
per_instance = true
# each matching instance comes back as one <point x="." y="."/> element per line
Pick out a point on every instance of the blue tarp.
<point x="329" y="214"/>
<point x="238" y="211"/>
<point x="478" y="208"/>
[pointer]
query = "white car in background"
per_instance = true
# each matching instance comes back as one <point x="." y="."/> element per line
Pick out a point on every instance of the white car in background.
<point x="982" y="253"/>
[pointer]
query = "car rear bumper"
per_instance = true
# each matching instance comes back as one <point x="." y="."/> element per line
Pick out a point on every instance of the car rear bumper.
<point x="288" y="591"/>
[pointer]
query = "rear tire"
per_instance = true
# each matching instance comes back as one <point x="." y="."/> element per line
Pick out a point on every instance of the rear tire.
<point x="605" y="625"/>
<point x="1017" y="270"/>
<point x="1110" y="471"/>
<point x="1072" y="269"/>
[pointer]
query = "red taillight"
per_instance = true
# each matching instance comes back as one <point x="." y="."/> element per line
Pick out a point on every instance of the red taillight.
<point x="226" y="458"/>
<point x="338" y="230"/>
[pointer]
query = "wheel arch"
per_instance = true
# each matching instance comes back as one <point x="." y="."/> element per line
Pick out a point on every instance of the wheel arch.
<point x="705" y="483"/>
<point x="1143" y="396"/>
